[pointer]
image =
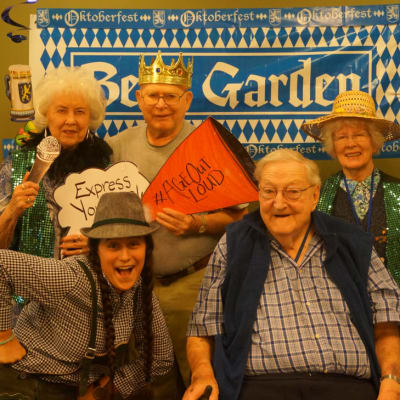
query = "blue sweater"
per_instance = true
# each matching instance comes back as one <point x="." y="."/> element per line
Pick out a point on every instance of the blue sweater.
<point x="348" y="255"/>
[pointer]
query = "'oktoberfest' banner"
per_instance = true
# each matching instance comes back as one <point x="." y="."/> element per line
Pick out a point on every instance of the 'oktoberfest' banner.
<point x="259" y="72"/>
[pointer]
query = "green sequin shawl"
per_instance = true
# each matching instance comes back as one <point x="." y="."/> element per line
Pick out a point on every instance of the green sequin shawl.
<point x="36" y="231"/>
<point x="391" y="190"/>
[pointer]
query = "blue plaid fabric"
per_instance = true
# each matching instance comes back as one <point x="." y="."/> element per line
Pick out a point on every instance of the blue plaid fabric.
<point x="303" y="324"/>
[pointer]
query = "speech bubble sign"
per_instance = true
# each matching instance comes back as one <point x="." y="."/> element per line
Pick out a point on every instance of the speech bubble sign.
<point x="79" y="195"/>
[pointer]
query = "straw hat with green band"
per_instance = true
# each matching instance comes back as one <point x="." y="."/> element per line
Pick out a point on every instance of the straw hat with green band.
<point x="353" y="104"/>
<point x="118" y="215"/>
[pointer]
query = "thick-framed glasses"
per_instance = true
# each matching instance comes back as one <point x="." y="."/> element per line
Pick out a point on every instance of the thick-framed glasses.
<point x="170" y="99"/>
<point x="269" y="193"/>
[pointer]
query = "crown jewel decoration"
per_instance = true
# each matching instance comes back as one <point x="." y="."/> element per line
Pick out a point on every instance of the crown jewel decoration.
<point x="157" y="72"/>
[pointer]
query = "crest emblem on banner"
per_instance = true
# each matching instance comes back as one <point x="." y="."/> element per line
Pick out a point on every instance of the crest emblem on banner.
<point x="43" y="18"/>
<point x="392" y="13"/>
<point x="158" y="18"/>
<point x="25" y="92"/>
<point x="275" y="16"/>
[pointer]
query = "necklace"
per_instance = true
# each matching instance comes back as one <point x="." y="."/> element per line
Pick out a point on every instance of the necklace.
<point x="303" y="243"/>
<point x="353" y="209"/>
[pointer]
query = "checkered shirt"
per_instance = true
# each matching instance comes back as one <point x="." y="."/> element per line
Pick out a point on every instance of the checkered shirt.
<point x="55" y="326"/>
<point x="303" y="324"/>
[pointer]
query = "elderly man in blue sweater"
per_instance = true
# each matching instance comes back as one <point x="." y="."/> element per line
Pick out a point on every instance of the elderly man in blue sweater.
<point x="295" y="304"/>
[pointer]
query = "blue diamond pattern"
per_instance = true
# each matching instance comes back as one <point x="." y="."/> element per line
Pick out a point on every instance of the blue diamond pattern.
<point x="146" y="36"/>
<point x="203" y="36"/>
<point x="248" y="36"/>
<point x="225" y="36"/>
<point x="112" y="36"/>
<point x="260" y="36"/>
<point x="101" y="36"/>
<point x="56" y="36"/>
<point x="259" y="130"/>
<point x="293" y="131"/>
<point x="89" y="36"/>
<point x="180" y="36"/>
<point x="191" y="36"/>
<point x="281" y="130"/>
<point x="316" y="35"/>
<point x="45" y="59"/>
<point x="67" y="36"/>
<point x="101" y="131"/>
<point x="78" y="36"/>
<point x="45" y="36"/>
<point x="214" y="36"/>
<point x="134" y="36"/>
<point x="271" y="36"/>
<point x="157" y="36"/>
<point x="270" y="130"/>
<point x="247" y="130"/>
<point x="236" y="129"/>
<point x="56" y="59"/>
<point x="123" y="36"/>
<point x="328" y="35"/>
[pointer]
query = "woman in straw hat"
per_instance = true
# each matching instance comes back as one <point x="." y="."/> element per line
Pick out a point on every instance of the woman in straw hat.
<point x="71" y="340"/>
<point x="361" y="193"/>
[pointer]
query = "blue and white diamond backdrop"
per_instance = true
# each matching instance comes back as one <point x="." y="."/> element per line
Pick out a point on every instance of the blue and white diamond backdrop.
<point x="260" y="72"/>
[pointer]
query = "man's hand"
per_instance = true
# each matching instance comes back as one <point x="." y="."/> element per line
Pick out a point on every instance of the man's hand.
<point x="12" y="351"/>
<point x="99" y="390"/>
<point x="177" y="222"/>
<point x="389" y="390"/>
<point x="72" y="245"/>
<point x="198" y="387"/>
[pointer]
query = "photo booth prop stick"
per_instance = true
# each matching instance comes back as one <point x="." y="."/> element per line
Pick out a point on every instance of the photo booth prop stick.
<point x="209" y="170"/>
<point x="79" y="195"/>
<point x="5" y="16"/>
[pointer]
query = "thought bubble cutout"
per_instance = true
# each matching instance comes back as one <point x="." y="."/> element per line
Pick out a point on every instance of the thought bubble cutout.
<point x="79" y="195"/>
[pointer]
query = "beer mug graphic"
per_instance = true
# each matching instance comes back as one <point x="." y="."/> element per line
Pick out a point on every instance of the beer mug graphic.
<point x="19" y="90"/>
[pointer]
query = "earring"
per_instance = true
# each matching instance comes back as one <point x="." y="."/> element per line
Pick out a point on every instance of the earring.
<point x="46" y="133"/>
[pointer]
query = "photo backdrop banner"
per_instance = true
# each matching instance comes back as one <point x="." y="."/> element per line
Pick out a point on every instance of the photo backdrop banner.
<point x="259" y="72"/>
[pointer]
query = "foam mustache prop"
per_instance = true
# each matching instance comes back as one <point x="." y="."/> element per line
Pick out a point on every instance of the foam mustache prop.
<point x="208" y="171"/>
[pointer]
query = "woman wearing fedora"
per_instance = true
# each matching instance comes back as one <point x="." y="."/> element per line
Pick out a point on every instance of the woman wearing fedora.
<point x="70" y="341"/>
<point x="360" y="192"/>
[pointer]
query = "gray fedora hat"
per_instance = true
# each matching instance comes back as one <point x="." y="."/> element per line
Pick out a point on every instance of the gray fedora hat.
<point x="118" y="215"/>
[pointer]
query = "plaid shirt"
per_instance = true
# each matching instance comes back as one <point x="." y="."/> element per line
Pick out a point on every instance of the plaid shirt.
<point x="55" y="325"/>
<point x="303" y="324"/>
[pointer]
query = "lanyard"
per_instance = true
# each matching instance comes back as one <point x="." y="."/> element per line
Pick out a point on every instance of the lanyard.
<point x="302" y="243"/>
<point x="371" y="192"/>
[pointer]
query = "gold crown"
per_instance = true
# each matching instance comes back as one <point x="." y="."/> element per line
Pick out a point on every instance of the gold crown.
<point x="158" y="72"/>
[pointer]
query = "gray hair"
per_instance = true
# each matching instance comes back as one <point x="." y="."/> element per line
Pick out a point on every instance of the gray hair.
<point x="71" y="80"/>
<point x="289" y="155"/>
<point x="330" y="127"/>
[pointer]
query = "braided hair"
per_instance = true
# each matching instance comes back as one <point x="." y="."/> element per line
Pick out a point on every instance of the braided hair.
<point x="147" y="311"/>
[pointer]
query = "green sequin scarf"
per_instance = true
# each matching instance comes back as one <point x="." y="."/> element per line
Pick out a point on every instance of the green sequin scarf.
<point x="36" y="235"/>
<point x="391" y="190"/>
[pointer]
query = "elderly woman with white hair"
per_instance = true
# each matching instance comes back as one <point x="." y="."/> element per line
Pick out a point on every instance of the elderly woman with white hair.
<point x="69" y="105"/>
<point x="360" y="193"/>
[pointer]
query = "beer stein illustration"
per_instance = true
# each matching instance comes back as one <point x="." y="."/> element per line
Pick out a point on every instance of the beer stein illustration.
<point x="19" y="90"/>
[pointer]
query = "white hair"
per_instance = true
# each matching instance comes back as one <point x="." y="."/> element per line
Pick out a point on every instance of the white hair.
<point x="330" y="127"/>
<point x="289" y="155"/>
<point x="71" y="80"/>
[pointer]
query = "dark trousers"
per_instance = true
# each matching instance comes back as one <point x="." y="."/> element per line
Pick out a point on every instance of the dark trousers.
<point x="16" y="385"/>
<point x="306" y="387"/>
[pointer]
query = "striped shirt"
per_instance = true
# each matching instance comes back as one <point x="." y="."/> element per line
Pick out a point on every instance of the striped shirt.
<point x="55" y="326"/>
<point x="303" y="324"/>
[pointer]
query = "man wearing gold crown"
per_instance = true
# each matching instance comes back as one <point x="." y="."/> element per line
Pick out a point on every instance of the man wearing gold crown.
<point x="184" y="242"/>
